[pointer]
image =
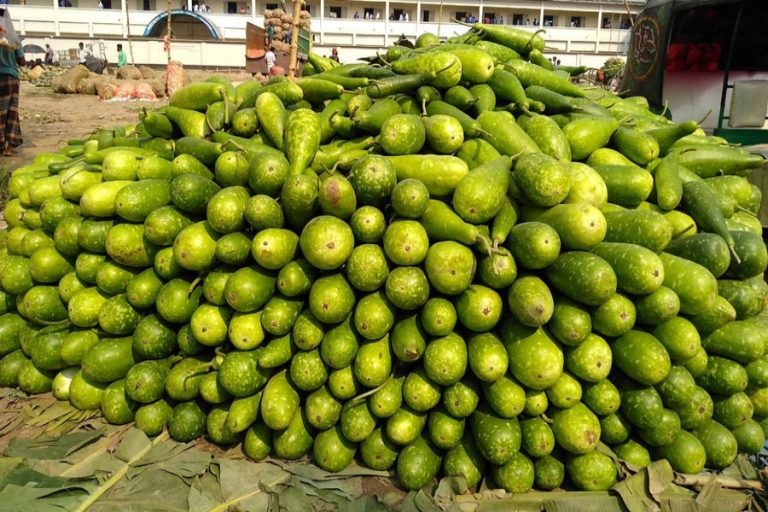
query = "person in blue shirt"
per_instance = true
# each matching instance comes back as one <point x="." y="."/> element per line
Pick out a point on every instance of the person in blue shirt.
<point x="10" y="126"/>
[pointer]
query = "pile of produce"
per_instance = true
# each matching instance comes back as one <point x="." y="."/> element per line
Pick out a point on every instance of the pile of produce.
<point x="456" y="263"/>
<point x="613" y="68"/>
<point x="43" y="79"/>
<point x="282" y="24"/>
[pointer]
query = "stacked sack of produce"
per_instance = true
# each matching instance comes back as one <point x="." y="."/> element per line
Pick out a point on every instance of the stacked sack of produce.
<point x="466" y="266"/>
<point x="282" y="25"/>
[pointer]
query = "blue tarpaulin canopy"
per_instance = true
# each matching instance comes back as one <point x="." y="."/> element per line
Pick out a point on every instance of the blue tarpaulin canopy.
<point x="157" y="24"/>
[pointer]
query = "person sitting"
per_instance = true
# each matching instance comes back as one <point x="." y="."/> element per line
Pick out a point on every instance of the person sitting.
<point x="356" y="16"/>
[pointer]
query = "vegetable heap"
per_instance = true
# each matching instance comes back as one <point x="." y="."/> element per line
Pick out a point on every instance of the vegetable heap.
<point x="449" y="261"/>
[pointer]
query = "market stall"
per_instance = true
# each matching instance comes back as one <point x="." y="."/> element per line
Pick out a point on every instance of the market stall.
<point x="451" y="272"/>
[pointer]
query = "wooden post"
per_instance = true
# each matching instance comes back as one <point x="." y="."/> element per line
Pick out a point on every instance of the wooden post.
<point x="440" y="20"/>
<point x="128" y="24"/>
<point x="629" y="12"/>
<point x="294" y="58"/>
<point x="168" y="30"/>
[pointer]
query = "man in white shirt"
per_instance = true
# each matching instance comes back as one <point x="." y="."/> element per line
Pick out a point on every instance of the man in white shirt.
<point x="405" y="16"/>
<point x="270" y="59"/>
<point x="48" y="54"/>
<point x="82" y="53"/>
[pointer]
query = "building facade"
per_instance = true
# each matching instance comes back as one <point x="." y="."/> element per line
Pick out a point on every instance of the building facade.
<point x="212" y="32"/>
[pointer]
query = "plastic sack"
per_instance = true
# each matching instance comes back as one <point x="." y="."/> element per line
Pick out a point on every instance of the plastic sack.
<point x="125" y="92"/>
<point x="8" y="37"/>
<point x="144" y="92"/>
<point x="106" y="90"/>
<point x="748" y="104"/>
<point x="174" y="77"/>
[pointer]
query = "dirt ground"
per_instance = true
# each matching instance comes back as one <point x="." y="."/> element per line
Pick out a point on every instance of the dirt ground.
<point x="48" y="120"/>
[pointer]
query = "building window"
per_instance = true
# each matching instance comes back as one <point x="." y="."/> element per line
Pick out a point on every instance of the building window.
<point x="576" y="21"/>
<point x="271" y="7"/>
<point x="368" y="13"/>
<point x="517" y="19"/>
<point x="549" y="21"/>
<point x="425" y="16"/>
<point x="335" y="12"/>
<point x="231" y="7"/>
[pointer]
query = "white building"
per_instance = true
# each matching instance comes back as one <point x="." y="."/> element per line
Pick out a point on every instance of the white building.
<point x="577" y="31"/>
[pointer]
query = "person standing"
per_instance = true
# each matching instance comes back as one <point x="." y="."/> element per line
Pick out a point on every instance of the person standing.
<point x="122" y="59"/>
<point x="270" y="34"/>
<point x="48" y="55"/>
<point x="82" y="53"/>
<point x="270" y="59"/>
<point x="10" y="126"/>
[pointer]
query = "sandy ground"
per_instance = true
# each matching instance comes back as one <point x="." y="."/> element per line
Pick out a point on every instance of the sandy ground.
<point x="48" y="120"/>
